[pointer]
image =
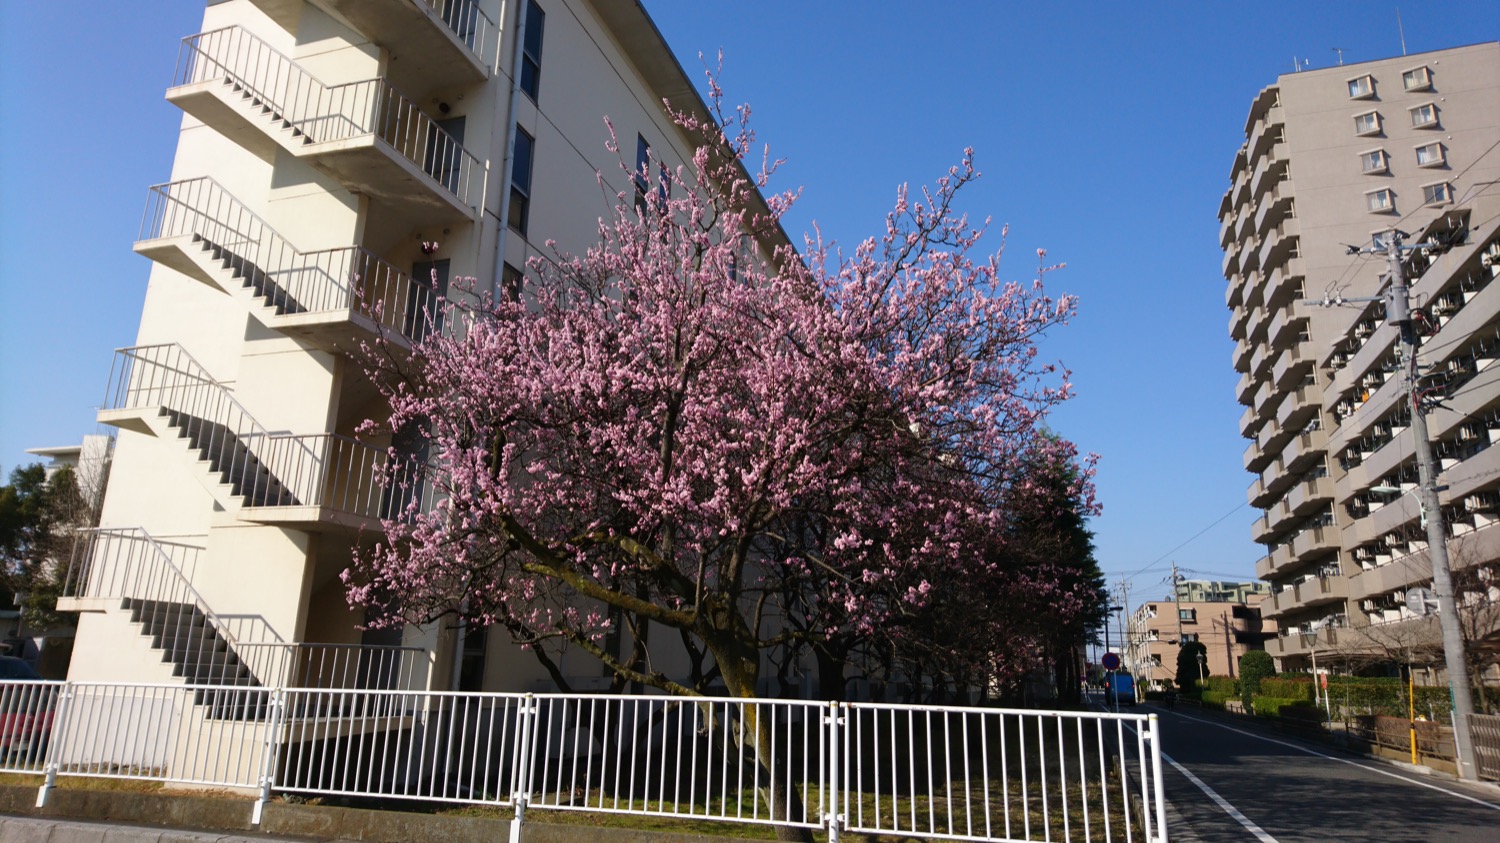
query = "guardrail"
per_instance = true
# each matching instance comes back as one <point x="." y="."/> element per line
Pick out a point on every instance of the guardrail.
<point x="927" y="772"/>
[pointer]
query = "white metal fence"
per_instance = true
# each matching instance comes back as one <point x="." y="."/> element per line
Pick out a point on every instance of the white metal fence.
<point x="928" y="772"/>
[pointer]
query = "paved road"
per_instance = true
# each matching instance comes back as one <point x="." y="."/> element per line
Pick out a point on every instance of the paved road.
<point x="1275" y="789"/>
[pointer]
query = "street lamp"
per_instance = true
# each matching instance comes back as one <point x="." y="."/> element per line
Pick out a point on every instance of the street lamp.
<point x="1202" y="668"/>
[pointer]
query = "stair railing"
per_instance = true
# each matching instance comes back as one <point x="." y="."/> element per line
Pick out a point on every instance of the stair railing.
<point x="320" y="112"/>
<point x="166" y="376"/>
<point x="127" y="564"/>
<point x="332" y="280"/>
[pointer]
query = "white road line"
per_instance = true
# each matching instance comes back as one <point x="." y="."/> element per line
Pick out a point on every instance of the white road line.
<point x="1369" y="767"/>
<point x="1221" y="802"/>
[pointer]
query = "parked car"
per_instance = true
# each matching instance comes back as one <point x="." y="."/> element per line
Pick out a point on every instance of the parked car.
<point x="26" y="705"/>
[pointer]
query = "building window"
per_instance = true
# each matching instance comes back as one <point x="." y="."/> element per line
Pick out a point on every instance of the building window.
<point x="1374" y="161"/>
<point x="1361" y="87"/>
<point x="1367" y="123"/>
<point x="1380" y="201"/>
<point x="1189" y="637"/>
<point x="520" y="181"/>
<point x="1417" y="79"/>
<point x="511" y="283"/>
<point x="531" y="49"/>
<point x="1187" y="616"/>
<point x="642" y="169"/>
<point x="1424" y="116"/>
<point x="1431" y="155"/>
<point x="1156" y="659"/>
<point x="1437" y="194"/>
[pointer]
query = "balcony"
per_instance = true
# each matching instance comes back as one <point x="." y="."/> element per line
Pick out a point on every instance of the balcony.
<point x="1273" y="437"/>
<point x="1274" y="207"/>
<point x="364" y="134"/>
<point x="1269" y="169"/>
<point x="1263" y="133"/>
<point x="1244" y="390"/>
<point x="1260" y="359"/>
<point x="1242" y="351"/>
<point x="1259" y="494"/>
<point x="1278" y="244"/>
<point x="1299" y="407"/>
<point x="1234" y="290"/>
<point x="1239" y="320"/>
<point x="1297" y="644"/>
<point x="1315" y="542"/>
<point x="1305" y="449"/>
<point x="1255" y="327"/>
<point x="1286" y="327"/>
<point x="1226" y="229"/>
<point x="1291" y="367"/>
<point x="1260" y="529"/>
<point x="1278" y="516"/>
<point x="1229" y="266"/>
<point x="1265" y="398"/>
<point x="1249" y="256"/>
<point x="336" y="299"/>
<point x="1263" y="567"/>
<point x="1250" y="423"/>
<point x="1284" y="283"/>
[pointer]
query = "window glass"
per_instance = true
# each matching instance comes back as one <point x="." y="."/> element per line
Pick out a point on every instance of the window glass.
<point x="520" y="181"/>
<point x="531" y="49"/>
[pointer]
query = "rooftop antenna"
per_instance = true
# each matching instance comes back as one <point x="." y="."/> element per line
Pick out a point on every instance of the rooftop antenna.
<point x="1401" y="29"/>
<point x="1340" y="51"/>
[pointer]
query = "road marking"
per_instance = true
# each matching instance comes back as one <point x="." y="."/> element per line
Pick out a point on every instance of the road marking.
<point x="1372" y="769"/>
<point x="1221" y="802"/>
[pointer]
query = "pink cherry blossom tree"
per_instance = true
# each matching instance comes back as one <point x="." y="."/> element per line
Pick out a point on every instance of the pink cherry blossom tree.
<point x="696" y="429"/>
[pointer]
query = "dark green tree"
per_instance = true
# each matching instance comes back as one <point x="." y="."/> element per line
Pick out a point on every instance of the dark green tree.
<point x="1188" y="669"/>
<point x="37" y="522"/>
<point x="1254" y="666"/>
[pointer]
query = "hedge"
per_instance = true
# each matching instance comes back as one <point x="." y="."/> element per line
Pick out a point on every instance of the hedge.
<point x="1216" y="699"/>
<point x="1292" y="687"/>
<point x="1222" y="685"/>
<point x="1278" y="706"/>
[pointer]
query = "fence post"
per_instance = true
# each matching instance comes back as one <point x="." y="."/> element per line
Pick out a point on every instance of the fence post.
<point x="834" y="816"/>
<point x="522" y="792"/>
<point x="269" y="759"/>
<point x="58" y="730"/>
<point x="1159" y="821"/>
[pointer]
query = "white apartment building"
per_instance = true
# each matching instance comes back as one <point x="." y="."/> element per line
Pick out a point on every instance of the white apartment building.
<point x="1335" y="158"/>
<point x="339" y="162"/>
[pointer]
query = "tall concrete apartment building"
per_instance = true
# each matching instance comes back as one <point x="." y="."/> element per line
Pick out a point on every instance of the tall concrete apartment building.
<point x="339" y="162"/>
<point x="1335" y="158"/>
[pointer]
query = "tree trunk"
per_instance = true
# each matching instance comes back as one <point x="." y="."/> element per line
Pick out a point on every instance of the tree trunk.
<point x="740" y="667"/>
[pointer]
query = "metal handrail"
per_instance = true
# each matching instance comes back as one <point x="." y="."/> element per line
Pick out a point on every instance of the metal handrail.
<point x="468" y="23"/>
<point x="318" y="112"/>
<point x="293" y="281"/>
<point x="88" y="575"/>
<point x="345" y="474"/>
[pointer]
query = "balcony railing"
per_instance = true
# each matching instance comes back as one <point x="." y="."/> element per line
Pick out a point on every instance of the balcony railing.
<point x="343" y="280"/>
<point x="314" y="112"/>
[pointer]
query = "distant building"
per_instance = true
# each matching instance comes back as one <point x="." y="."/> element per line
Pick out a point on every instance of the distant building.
<point x="1332" y="159"/>
<point x="1225" y="618"/>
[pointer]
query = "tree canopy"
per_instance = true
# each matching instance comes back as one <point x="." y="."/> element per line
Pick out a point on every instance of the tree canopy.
<point x="693" y="426"/>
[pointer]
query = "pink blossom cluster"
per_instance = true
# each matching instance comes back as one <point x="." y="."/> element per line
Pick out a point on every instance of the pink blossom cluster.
<point x="694" y="424"/>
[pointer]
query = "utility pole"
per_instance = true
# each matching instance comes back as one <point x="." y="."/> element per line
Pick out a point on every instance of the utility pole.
<point x="1125" y="643"/>
<point x="1399" y="313"/>
<point x="1228" y="644"/>
<point x="1177" y="608"/>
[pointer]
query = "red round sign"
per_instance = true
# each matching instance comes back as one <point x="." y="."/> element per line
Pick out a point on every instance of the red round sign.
<point x="1110" y="661"/>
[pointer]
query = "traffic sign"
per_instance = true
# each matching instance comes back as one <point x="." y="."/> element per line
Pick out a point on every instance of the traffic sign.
<point x="1110" y="661"/>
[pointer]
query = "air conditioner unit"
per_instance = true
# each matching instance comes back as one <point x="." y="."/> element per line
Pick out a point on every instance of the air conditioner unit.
<point x="1363" y="330"/>
<point x="1339" y="360"/>
<point x="1467" y="433"/>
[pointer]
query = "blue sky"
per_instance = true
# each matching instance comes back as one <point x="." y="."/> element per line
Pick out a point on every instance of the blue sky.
<point x="1105" y="132"/>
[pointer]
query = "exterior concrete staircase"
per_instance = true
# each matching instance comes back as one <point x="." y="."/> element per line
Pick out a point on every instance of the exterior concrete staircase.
<point x="231" y="460"/>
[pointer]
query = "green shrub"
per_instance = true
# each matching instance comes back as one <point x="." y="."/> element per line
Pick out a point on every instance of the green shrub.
<point x="1293" y="687"/>
<point x="1215" y="699"/>
<point x="1222" y="685"/>
<point x="1276" y="706"/>
<point x="1255" y="667"/>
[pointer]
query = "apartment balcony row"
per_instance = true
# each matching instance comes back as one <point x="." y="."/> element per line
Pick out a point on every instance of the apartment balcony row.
<point x="1234" y="287"/>
<point x="1305" y="449"/>
<point x="337" y="299"/>
<point x="1310" y="545"/>
<point x="1287" y="327"/>
<point x="1292" y="365"/>
<point x="1239" y="323"/>
<point x="1229" y="267"/>
<point x="1400" y="572"/>
<point x="1277" y="205"/>
<point x="1304" y="644"/>
<point x="1310" y="593"/>
<point x="316" y="482"/>
<point x="366" y="134"/>
<point x="1283" y="285"/>
<point x="1269" y="169"/>
<point x="432" y="43"/>
<point x="1249" y="257"/>
<point x="1264" y="133"/>
<point x="1299" y="407"/>
<point x="1279" y="244"/>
